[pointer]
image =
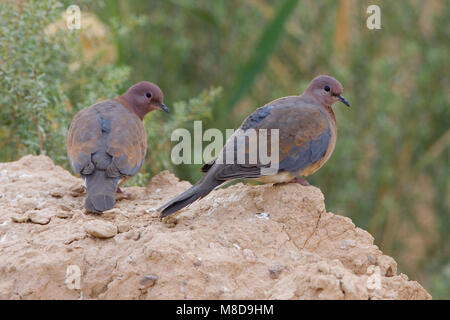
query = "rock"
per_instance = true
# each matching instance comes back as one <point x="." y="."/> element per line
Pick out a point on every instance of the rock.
<point x="56" y="194"/>
<point x="64" y="214"/>
<point x="26" y="204"/>
<point x="263" y="215"/>
<point x="198" y="262"/>
<point x="77" y="190"/>
<point x="39" y="217"/>
<point x="323" y="267"/>
<point x="300" y="251"/>
<point x="20" y="218"/>
<point x="387" y="265"/>
<point x="123" y="227"/>
<point x="65" y="207"/>
<point x="347" y="243"/>
<point x="101" y="229"/>
<point x="133" y="235"/>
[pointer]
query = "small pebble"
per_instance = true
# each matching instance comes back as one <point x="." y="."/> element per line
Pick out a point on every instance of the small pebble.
<point x="170" y="221"/>
<point x="148" y="280"/>
<point x="404" y="276"/>
<point x="38" y="217"/>
<point x="56" y="194"/>
<point x="323" y="267"/>
<point x="64" y="214"/>
<point x="124" y="196"/>
<point x="263" y="215"/>
<point x="275" y="271"/>
<point x="249" y="255"/>
<point x="123" y="227"/>
<point x="133" y="235"/>
<point x="27" y="204"/>
<point x="65" y="208"/>
<point x="345" y="244"/>
<point x="77" y="190"/>
<point x="198" y="262"/>
<point x="20" y="219"/>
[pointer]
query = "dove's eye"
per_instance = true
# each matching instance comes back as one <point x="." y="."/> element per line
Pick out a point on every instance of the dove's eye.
<point x="148" y="95"/>
<point x="327" y="88"/>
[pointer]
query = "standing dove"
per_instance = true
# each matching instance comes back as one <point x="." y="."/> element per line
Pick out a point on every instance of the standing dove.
<point x="107" y="142"/>
<point x="307" y="135"/>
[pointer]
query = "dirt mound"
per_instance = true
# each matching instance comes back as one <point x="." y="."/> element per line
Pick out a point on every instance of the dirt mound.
<point x="243" y="242"/>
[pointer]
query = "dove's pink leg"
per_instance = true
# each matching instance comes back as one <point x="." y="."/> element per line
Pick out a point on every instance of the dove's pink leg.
<point x="121" y="183"/>
<point x="302" y="181"/>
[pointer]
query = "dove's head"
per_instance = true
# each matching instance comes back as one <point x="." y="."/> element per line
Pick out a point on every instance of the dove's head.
<point x="326" y="90"/>
<point x="144" y="97"/>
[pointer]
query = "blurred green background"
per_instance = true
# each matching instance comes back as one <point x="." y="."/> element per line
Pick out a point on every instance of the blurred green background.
<point x="219" y="60"/>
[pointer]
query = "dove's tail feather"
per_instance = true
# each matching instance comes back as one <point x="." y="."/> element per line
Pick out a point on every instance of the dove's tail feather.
<point x="197" y="191"/>
<point x="100" y="191"/>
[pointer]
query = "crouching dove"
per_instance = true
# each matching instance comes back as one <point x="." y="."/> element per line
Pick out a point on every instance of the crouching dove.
<point x="107" y="142"/>
<point x="307" y="135"/>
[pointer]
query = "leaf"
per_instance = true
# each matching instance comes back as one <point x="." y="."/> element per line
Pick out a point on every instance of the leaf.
<point x="265" y="46"/>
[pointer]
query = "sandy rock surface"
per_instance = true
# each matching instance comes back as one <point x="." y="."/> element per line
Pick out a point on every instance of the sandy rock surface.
<point x="242" y="242"/>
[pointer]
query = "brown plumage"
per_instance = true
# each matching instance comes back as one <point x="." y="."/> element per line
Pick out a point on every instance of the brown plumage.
<point x="107" y="142"/>
<point x="307" y="135"/>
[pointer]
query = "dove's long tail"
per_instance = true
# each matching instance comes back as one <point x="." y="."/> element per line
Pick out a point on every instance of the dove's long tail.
<point x="197" y="191"/>
<point x="101" y="191"/>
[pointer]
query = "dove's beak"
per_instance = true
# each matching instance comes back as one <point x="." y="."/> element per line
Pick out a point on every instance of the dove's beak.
<point x="343" y="100"/>
<point x="164" y="107"/>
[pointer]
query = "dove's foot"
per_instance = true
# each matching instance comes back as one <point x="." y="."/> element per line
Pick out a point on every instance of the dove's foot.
<point x="121" y="195"/>
<point x="301" y="181"/>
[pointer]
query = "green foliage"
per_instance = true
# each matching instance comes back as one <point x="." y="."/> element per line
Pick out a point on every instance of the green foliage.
<point x="440" y="281"/>
<point x="262" y="50"/>
<point x="29" y="60"/>
<point x="43" y="81"/>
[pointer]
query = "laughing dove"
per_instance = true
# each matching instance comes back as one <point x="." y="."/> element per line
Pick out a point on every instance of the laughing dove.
<point x="306" y="138"/>
<point x="107" y="142"/>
